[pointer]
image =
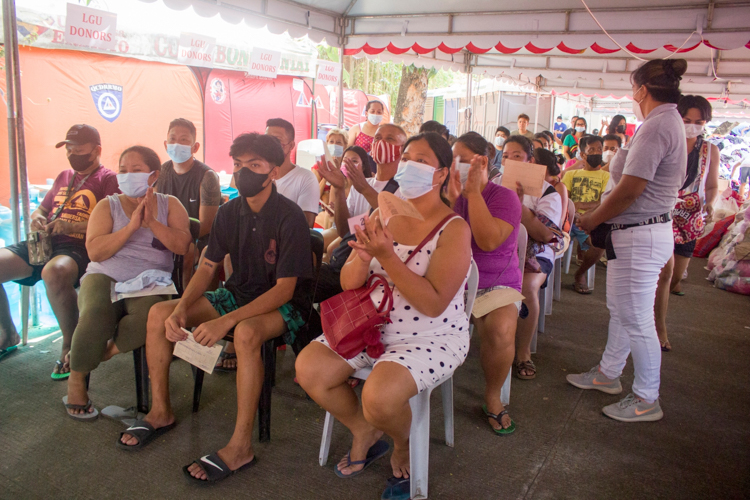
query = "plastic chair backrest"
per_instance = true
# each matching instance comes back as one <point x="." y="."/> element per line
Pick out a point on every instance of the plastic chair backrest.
<point x="523" y="238"/>
<point x="571" y="211"/>
<point x="472" y="285"/>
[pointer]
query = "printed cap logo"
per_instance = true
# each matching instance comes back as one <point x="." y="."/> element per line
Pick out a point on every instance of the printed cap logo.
<point x="107" y="99"/>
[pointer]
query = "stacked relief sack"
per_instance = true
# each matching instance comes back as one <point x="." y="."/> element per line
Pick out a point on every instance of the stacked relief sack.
<point x="730" y="262"/>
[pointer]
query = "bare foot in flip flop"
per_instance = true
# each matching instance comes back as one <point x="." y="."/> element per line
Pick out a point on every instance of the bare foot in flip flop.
<point x="7" y="341"/>
<point x="77" y="402"/>
<point x="361" y="444"/>
<point x="504" y="419"/>
<point x="400" y="462"/>
<point x="233" y="458"/>
<point x="580" y="285"/>
<point x="62" y="368"/>
<point x="157" y="420"/>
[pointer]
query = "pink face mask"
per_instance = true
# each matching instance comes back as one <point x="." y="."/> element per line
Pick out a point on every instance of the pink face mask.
<point x="384" y="152"/>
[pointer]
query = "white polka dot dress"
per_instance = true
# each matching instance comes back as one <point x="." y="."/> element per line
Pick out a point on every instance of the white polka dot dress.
<point x="430" y="348"/>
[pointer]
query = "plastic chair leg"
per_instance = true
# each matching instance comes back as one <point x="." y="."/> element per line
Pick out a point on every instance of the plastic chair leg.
<point x="557" y="279"/>
<point x="567" y="257"/>
<point x="447" y="389"/>
<point x="419" y="444"/>
<point x="505" y="391"/>
<point x="548" y="294"/>
<point x="268" y="353"/>
<point x="325" y="441"/>
<point x="590" y="275"/>
<point x="542" y="302"/>
<point x="25" y="292"/>
<point x="198" y="388"/>
<point x="533" y="341"/>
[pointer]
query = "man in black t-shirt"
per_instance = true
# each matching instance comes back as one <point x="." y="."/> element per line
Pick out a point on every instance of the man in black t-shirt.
<point x="191" y="181"/>
<point x="268" y="295"/>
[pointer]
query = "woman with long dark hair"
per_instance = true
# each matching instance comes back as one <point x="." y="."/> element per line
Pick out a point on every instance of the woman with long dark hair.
<point x="617" y="126"/>
<point x="646" y="176"/>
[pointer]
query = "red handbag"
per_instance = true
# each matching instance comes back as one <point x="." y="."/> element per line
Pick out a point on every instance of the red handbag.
<point x="351" y="322"/>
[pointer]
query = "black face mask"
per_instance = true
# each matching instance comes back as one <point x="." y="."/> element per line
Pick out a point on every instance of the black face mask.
<point x="594" y="160"/>
<point x="80" y="163"/>
<point x="621" y="129"/>
<point x="249" y="184"/>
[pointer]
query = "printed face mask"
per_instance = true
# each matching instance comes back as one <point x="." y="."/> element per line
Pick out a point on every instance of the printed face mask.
<point x="414" y="179"/>
<point x="79" y="163"/>
<point x="374" y="119"/>
<point x="607" y="156"/>
<point x="249" y="183"/>
<point x="134" y="184"/>
<point x="499" y="141"/>
<point x="179" y="153"/>
<point x="692" y="130"/>
<point x="336" y="150"/>
<point x="384" y="152"/>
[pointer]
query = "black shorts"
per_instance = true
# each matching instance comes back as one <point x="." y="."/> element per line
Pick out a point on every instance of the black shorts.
<point x="744" y="174"/>
<point x="73" y="250"/>
<point x="685" y="249"/>
<point x="547" y="267"/>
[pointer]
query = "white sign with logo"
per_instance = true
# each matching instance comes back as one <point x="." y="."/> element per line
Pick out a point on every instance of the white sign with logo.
<point x="264" y="62"/>
<point x="328" y="73"/>
<point x="196" y="50"/>
<point x="93" y="28"/>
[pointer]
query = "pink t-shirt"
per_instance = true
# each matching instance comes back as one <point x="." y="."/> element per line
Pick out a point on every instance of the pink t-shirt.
<point x="99" y="185"/>
<point x="498" y="267"/>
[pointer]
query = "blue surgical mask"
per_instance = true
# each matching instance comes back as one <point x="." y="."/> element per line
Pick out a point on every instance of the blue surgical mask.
<point x="134" y="184"/>
<point x="414" y="179"/>
<point x="179" y="153"/>
<point x="336" y="150"/>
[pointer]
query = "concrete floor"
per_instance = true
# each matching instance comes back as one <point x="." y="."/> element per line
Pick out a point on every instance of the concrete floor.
<point x="563" y="448"/>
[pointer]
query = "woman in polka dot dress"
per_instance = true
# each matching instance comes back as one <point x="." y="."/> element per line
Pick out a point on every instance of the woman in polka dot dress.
<point x="428" y="337"/>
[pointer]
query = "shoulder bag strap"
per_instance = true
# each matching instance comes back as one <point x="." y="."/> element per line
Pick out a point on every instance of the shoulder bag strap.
<point x="71" y="192"/>
<point x="432" y="234"/>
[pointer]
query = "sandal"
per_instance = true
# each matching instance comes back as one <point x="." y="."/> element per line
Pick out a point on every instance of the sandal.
<point x="144" y="433"/>
<point x="397" y="488"/>
<point x="7" y="351"/>
<point x="56" y="375"/>
<point x="582" y="289"/>
<point x="215" y="469"/>
<point x="502" y="431"/>
<point x="376" y="451"/>
<point x="525" y="366"/>
<point x="220" y="363"/>
<point x="665" y="346"/>
<point x="86" y="416"/>
<point x="679" y="294"/>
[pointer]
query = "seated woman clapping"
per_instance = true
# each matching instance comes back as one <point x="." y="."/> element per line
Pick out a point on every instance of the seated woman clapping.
<point x="428" y="337"/>
<point x="131" y="240"/>
<point x="494" y="214"/>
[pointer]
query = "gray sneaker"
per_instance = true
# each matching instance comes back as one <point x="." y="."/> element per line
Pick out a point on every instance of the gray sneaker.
<point x="634" y="409"/>
<point x="594" y="379"/>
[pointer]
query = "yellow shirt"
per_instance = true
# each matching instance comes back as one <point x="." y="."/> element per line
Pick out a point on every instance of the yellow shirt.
<point x="585" y="186"/>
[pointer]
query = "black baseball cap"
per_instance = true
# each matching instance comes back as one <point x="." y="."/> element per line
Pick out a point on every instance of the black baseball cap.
<point x="80" y="134"/>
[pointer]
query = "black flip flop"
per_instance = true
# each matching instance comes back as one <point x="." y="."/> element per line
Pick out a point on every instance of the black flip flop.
<point x="220" y="362"/>
<point x="86" y="416"/>
<point x="376" y="451"/>
<point x="397" y="488"/>
<point x="215" y="469"/>
<point x="144" y="433"/>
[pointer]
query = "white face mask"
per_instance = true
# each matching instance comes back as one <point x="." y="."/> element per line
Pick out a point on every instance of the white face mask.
<point x="499" y="141"/>
<point x="607" y="156"/>
<point x="134" y="184"/>
<point x="692" y="130"/>
<point x="374" y="119"/>
<point x="580" y="130"/>
<point x="463" y="170"/>
<point x="637" y="107"/>
<point x="336" y="150"/>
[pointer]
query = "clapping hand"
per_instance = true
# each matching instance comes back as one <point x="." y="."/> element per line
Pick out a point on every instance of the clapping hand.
<point x="332" y="174"/>
<point x="374" y="240"/>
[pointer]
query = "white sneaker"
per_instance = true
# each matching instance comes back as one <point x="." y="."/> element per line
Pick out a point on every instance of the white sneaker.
<point x="634" y="409"/>
<point x="594" y="379"/>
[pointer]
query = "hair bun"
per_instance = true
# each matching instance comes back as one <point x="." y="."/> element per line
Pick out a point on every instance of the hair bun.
<point x="675" y="68"/>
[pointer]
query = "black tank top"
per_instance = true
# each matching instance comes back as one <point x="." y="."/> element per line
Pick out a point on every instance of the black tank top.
<point x="185" y="187"/>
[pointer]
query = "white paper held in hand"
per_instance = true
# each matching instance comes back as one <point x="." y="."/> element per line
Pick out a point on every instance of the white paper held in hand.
<point x="530" y="175"/>
<point x="197" y="355"/>
<point x="357" y="220"/>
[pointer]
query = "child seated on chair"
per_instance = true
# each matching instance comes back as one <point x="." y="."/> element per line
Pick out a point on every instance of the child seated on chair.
<point x="268" y="295"/>
<point x="428" y="337"/>
<point x="494" y="214"/>
<point x="586" y="187"/>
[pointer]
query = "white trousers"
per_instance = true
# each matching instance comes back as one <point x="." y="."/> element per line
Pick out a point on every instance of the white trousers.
<point x="641" y="253"/>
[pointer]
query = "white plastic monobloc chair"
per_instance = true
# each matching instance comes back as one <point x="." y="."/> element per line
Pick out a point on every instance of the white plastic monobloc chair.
<point x="419" y="436"/>
<point x="590" y="274"/>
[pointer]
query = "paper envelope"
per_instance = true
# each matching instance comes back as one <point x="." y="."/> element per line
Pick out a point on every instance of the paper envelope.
<point x="530" y="175"/>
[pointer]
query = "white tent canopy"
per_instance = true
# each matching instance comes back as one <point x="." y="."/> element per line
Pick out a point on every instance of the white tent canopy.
<point x="558" y="46"/>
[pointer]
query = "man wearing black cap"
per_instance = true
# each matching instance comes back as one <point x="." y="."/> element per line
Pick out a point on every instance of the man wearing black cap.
<point x="64" y="214"/>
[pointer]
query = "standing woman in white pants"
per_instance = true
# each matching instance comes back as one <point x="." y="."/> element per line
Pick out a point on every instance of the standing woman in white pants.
<point x="645" y="175"/>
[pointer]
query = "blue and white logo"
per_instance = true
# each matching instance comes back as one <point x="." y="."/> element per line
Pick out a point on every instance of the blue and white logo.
<point x="107" y="99"/>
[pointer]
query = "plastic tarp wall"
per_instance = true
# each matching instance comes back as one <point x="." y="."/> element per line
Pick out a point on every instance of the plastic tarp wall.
<point x="236" y="104"/>
<point x="61" y="88"/>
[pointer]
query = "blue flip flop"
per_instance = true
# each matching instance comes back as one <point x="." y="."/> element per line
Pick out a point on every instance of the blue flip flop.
<point x="7" y="351"/>
<point x="397" y="488"/>
<point x="376" y="451"/>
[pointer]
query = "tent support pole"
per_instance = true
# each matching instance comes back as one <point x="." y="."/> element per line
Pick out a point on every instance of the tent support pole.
<point x="469" y="83"/>
<point x="341" y="88"/>
<point x="11" y="102"/>
<point x="552" y="99"/>
<point x="536" y="110"/>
